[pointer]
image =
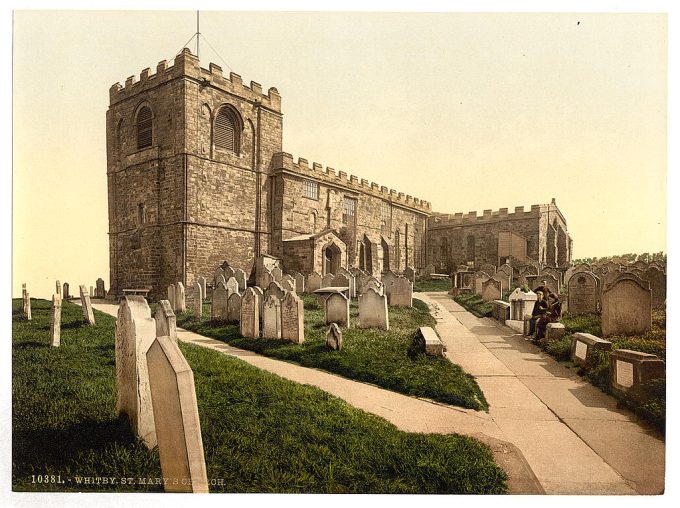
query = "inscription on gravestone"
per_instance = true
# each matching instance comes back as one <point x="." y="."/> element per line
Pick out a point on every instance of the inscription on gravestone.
<point x="581" y="350"/>
<point x="624" y="373"/>
<point x="582" y="293"/>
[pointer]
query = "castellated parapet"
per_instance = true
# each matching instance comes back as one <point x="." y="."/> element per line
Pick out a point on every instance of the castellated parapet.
<point x="284" y="162"/>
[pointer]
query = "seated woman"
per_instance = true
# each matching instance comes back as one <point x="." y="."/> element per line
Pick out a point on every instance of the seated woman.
<point x="551" y="315"/>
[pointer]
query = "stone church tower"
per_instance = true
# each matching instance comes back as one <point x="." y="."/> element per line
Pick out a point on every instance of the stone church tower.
<point x="188" y="157"/>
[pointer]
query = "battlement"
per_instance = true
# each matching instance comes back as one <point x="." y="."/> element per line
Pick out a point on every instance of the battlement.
<point x="187" y="64"/>
<point x="441" y="220"/>
<point x="284" y="161"/>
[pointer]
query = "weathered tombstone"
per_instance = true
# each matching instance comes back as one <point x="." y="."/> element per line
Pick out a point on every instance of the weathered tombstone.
<point x="478" y="285"/>
<point x="410" y="274"/>
<point x="55" y="324"/>
<point x="276" y="290"/>
<point x="228" y="271"/>
<point x="657" y="283"/>
<point x="232" y="286"/>
<point x="630" y="369"/>
<point x="277" y="273"/>
<point x="271" y="319"/>
<point x="288" y="283"/>
<point x="299" y="283"/>
<point x="627" y="307"/>
<point x="504" y="274"/>
<point x="337" y="309"/>
<point x="198" y="299"/>
<point x="166" y="321"/>
<point x="217" y="274"/>
<point x="327" y="280"/>
<point x="250" y="314"/>
<point x="171" y="295"/>
<point x="500" y="310"/>
<point x="521" y="304"/>
<point x="58" y="288"/>
<point x="491" y="290"/>
<point x="428" y="270"/>
<point x="549" y="281"/>
<point x="180" y="298"/>
<point x="175" y="410"/>
<point x="373" y="310"/>
<point x="88" y="315"/>
<point x="313" y="282"/>
<point x="293" y="318"/>
<point x="555" y="331"/>
<point x="241" y="278"/>
<point x="340" y="280"/>
<point x="260" y="298"/>
<point x="264" y="278"/>
<point x="334" y="339"/>
<point x="488" y="268"/>
<point x="584" y="347"/>
<point x="204" y="286"/>
<point x="135" y="332"/>
<point x="402" y="292"/>
<point x="222" y="279"/>
<point x="234" y="307"/>
<point x="101" y="290"/>
<point x="583" y="293"/>
<point x="218" y="311"/>
<point x="426" y="341"/>
<point x="374" y="284"/>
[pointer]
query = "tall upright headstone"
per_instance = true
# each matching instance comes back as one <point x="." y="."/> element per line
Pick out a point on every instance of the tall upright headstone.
<point x="657" y="283"/>
<point x="171" y="295"/>
<point x="276" y="290"/>
<point x="198" y="299"/>
<point x="135" y="332"/>
<point x="234" y="307"/>
<point x="401" y="292"/>
<point x="299" y="283"/>
<point x="337" y="309"/>
<point x="293" y="318"/>
<point x="180" y="298"/>
<point x="241" y="278"/>
<point x="55" y="324"/>
<point x="232" y="285"/>
<point x="313" y="282"/>
<point x="271" y="319"/>
<point x="175" y="410"/>
<point x="626" y="306"/>
<point x="373" y="310"/>
<point x="491" y="290"/>
<point x="26" y="300"/>
<point x="101" y="289"/>
<point x="250" y="314"/>
<point x="88" y="315"/>
<point x="166" y="321"/>
<point x="218" y="310"/>
<point x="59" y="288"/>
<point x="204" y="286"/>
<point x="327" y="280"/>
<point x="583" y="293"/>
<point x="288" y="282"/>
<point x="65" y="293"/>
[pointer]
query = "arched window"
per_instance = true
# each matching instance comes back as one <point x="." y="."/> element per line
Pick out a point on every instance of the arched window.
<point x="226" y="134"/>
<point x="444" y="250"/>
<point x="470" y="250"/>
<point x="141" y="214"/>
<point x="144" y="128"/>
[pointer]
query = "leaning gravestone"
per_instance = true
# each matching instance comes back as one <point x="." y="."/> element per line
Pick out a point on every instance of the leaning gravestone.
<point x="313" y="282"/>
<point x="88" y="315"/>
<point x="198" y="299"/>
<point x="175" y="410"/>
<point x="373" y="310"/>
<point x="401" y="292"/>
<point x="293" y="318"/>
<point x="65" y="293"/>
<point x="583" y="293"/>
<point x="241" y="278"/>
<point x="250" y="314"/>
<point x="299" y="283"/>
<point x="135" y="332"/>
<point x="491" y="290"/>
<point x="55" y="324"/>
<point x="101" y="291"/>
<point x="180" y="298"/>
<point x="337" y="309"/>
<point x="334" y="337"/>
<point x="627" y="306"/>
<point x="171" y="295"/>
<point x="271" y="319"/>
<point x="166" y="321"/>
<point x="219" y="303"/>
<point x="234" y="307"/>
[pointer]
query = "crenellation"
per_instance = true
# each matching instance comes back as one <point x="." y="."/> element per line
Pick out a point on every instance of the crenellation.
<point x="256" y="87"/>
<point x="384" y="189"/>
<point x="316" y="166"/>
<point x="354" y="179"/>
<point x="375" y="187"/>
<point x="303" y="163"/>
<point x="341" y="175"/>
<point x="235" y="79"/>
<point x="144" y="75"/>
<point x="215" y="70"/>
<point x="519" y="209"/>
<point x="130" y="81"/>
<point x="161" y="67"/>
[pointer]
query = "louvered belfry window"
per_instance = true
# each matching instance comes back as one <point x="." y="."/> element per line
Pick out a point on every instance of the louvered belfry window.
<point x="144" y="128"/>
<point x="225" y="131"/>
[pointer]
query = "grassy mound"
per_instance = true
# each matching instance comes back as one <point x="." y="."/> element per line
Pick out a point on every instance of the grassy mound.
<point x="375" y="356"/>
<point x="260" y="433"/>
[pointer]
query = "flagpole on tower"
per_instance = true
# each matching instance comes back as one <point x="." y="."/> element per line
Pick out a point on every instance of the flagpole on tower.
<point x="198" y="33"/>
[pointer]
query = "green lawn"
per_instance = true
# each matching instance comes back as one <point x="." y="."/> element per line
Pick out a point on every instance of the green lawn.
<point x="375" y="356"/>
<point x="474" y="304"/>
<point x="432" y="285"/>
<point x="260" y="433"/>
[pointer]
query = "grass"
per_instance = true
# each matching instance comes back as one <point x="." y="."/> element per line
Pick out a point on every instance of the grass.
<point x="432" y="285"/>
<point x="475" y="304"/>
<point x="260" y="433"/>
<point x="375" y="356"/>
<point x="649" y="400"/>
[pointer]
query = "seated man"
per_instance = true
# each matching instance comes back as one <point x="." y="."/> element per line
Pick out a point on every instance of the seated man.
<point x="540" y="308"/>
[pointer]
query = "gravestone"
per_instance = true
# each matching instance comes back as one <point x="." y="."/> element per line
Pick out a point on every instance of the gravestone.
<point x="260" y="298"/>
<point x="264" y="278"/>
<point x="374" y="284"/>
<point x="204" y="286"/>
<point x="232" y="286"/>
<point x="166" y="321"/>
<point x="85" y="302"/>
<point x="478" y="284"/>
<point x="250" y="314"/>
<point x="299" y="283"/>
<point x="584" y="347"/>
<point x="234" y="307"/>
<point x="101" y="290"/>
<point x="340" y="280"/>
<point x="410" y="274"/>
<point x="428" y="270"/>
<point x="582" y="293"/>
<point x="217" y="274"/>
<point x="175" y="409"/>
<point x="241" y="278"/>
<point x="488" y="268"/>
<point x="55" y="323"/>
<point x="198" y="299"/>
<point x="500" y="310"/>
<point x="327" y="280"/>
<point x="491" y="290"/>
<point x="521" y="304"/>
<point x="334" y="337"/>
<point x="58" y="288"/>
<point x="556" y="274"/>
<point x="548" y="281"/>
<point x="180" y="298"/>
<point x="65" y="293"/>
<point x="218" y="311"/>
<point x="337" y="309"/>
<point x="627" y="306"/>
<point x="293" y="318"/>
<point x="288" y="283"/>
<point x="135" y="332"/>
<point x="373" y="310"/>
<point x="276" y="290"/>
<point x="277" y="273"/>
<point x="26" y="303"/>
<point x="630" y="369"/>
<point x="555" y="331"/>
<point x="313" y="282"/>
<point x="228" y="271"/>
<point x="171" y="295"/>
<point x="657" y="283"/>
<point x="222" y="279"/>
<point x="271" y="319"/>
<point x="504" y="274"/>
<point x="426" y="341"/>
<point x="401" y="292"/>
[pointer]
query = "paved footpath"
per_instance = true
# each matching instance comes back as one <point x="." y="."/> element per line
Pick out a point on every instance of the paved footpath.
<point x="549" y="430"/>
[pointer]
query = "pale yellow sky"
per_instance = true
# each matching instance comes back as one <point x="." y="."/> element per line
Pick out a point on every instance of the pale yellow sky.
<point x="468" y="111"/>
